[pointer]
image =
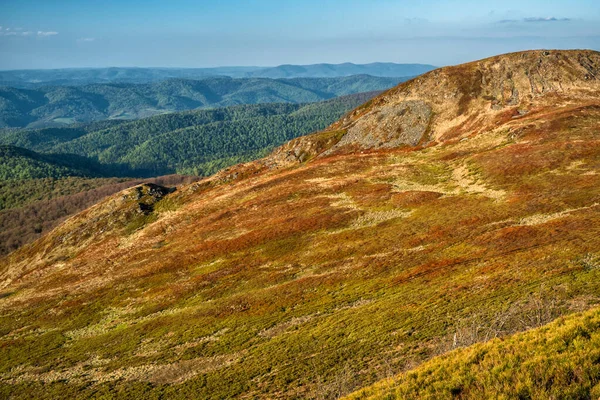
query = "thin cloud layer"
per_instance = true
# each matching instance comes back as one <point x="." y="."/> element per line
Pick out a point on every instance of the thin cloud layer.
<point x="534" y="19"/>
<point x="548" y="19"/>
<point x="20" y="32"/>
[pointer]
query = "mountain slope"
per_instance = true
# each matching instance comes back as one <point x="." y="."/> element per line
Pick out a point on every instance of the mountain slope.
<point x="199" y="142"/>
<point x="334" y="262"/>
<point x="31" y="208"/>
<point x="476" y="97"/>
<point x="63" y="105"/>
<point x="558" y="361"/>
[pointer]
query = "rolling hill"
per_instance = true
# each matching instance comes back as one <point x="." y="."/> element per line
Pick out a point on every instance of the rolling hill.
<point x="195" y="142"/>
<point x="41" y="189"/>
<point x="458" y="207"/>
<point x="18" y="164"/>
<point x="63" y="105"/>
<point x="85" y="76"/>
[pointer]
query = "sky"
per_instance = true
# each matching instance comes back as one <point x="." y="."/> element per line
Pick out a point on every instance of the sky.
<point x="206" y="33"/>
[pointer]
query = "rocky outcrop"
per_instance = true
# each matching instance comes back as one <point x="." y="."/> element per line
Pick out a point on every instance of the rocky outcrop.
<point x="454" y="102"/>
<point x="123" y="213"/>
<point x="390" y="126"/>
<point x="449" y="103"/>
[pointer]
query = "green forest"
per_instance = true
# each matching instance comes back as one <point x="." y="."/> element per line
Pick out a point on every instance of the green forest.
<point x="59" y="106"/>
<point x="195" y="142"/>
<point x="49" y="174"/>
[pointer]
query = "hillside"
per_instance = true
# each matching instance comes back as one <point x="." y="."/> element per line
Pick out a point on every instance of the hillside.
<point x="195" y="142"/>
<point x="17" y="164"/>
<point x="42" y="189"/>
<point x="557" y="361"/>
<point x="62" y="105"/>
<point x="32" y="208"/>
<point x="85" y="76"/>
<point x="458" y="207"/>
<point x="38" y="191"/>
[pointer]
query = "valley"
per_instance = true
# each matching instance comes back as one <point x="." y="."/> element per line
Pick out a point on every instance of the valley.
<point x="57" y="106"/>
<point x="76" y="166"/>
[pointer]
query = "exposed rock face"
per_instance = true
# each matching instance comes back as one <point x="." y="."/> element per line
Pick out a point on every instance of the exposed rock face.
<point x="454" y="102"/>
<point x="449" y="103"/>
<point x="390" y="126"/>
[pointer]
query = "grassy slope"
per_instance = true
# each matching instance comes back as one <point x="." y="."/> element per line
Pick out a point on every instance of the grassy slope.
<point x="558" y="361"/>
<point x="31" y="208"/>
<point x="315" y="281"/>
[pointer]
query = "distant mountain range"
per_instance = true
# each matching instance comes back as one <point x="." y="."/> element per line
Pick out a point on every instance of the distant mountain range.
<point x="84" y="76"/>
<point x="62" y="105"/>
<point x="194" y="142"/>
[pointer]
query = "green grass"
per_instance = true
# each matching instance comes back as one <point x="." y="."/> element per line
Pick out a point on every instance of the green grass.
<point x="560" y="360"/>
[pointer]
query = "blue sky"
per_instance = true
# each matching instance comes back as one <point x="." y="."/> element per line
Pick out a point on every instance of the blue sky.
<point x="90" y="33"/>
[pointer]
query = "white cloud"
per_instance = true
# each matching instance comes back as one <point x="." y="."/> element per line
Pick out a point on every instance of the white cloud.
<point x="546" y="19"/>
<point x="86" y="39"/>
<point x="534" y="19"/>
<point x="7" y="31"/>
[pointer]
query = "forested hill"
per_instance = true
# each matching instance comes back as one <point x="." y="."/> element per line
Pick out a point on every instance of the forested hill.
<point x="17" y="164"/>
<point x="63" y="105"/>
<point x="40" y="188"/>
<point x="196" y="142"/>
<point x="84" y="76"/>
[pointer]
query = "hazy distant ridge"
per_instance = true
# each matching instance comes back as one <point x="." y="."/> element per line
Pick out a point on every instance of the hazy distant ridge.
<point x="81" y="76"/>
<point x="58" y="105"/>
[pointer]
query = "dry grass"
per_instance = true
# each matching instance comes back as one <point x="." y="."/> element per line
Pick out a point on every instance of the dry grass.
<point x="313" y="280"/>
